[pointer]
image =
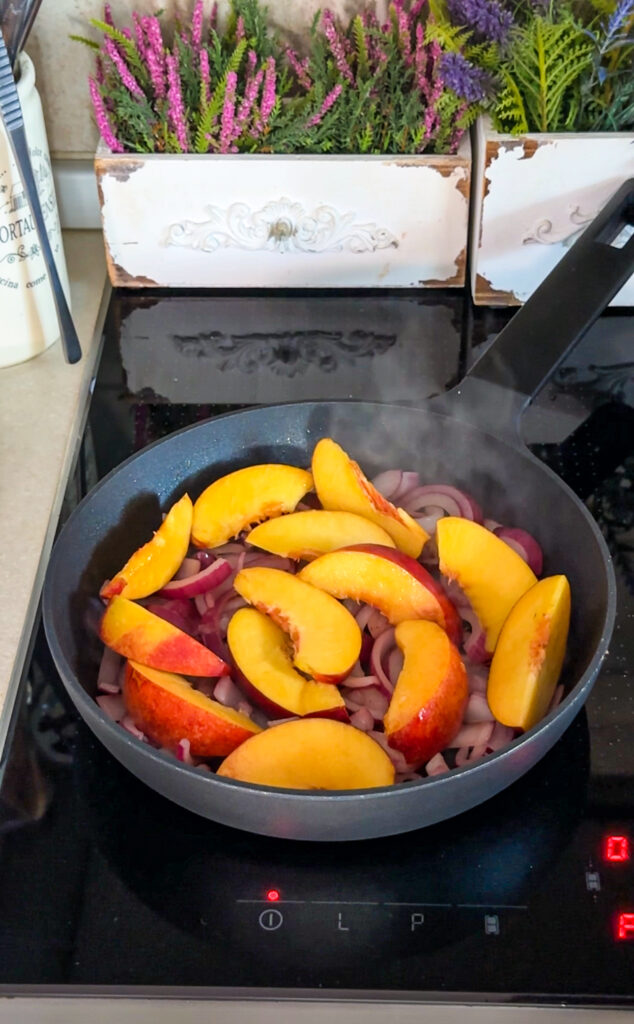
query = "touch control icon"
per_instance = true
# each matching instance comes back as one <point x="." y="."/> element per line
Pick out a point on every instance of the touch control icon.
<point x="271" y="919"/>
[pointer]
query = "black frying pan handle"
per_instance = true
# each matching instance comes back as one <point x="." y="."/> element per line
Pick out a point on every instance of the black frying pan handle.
<point x="558" y="314"/>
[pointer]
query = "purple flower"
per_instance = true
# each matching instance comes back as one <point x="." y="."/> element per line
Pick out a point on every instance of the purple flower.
<point x="268" y="90"/>
<point x="250" y="95"/>
<point x="336" y="45"/>
<point x="466" y="80"/>
<point x="197" y="24"/>
<point x="300" y="67"/>
<point x="103" y="124"/>
<point x="138" y="31"/>
<point x="228" y="111"/>
<point x="125" y="74"/>
<point x="153" y="33"/>
<point x="240" y="29"/>
<point x="157" y="76"/>
<point x="619" y="16"/>
<point x="329" y="101"/>
<point x="205" y="76"/>
<point x="175" y="100"/>
<point x="487" y="19"/>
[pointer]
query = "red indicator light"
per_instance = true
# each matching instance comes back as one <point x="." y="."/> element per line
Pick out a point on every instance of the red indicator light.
<point x="272" y="895"/>
<point x="617" y="849"/>
<point x="625" y="926"/>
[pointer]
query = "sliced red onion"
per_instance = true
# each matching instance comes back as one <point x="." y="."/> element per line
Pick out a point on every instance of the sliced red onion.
<point x="462" y="756"/>
<point x="478" y="752"/>
<point x="178" y="612"/>
<point x="227" y="693"/>
<point x="377" y="623"/>
<point x="455" y="593"/>
<point x="189" y="567"/>
<point x="477" y="677"/>
<point x="436" y="765"/>
<point x="475" y="643"/>
<point x="429" y="521"/>
<point x="112" y="705"/>
<point x="363" y="616"/>
<point x="130" y="727"/>
<point x="398" y="760"/>
<point x="109" y="677"/>
<point x="258" y="560"/>
<point x="500" y="736"/>
<point x="200" y="582"/>
<point x="477" y="709"/>
<point x="491" y="524"/>
<point x="407" y="777"/>
<point x="183" y="752"/>
<point x="362" y="719"/>
<point x="369" y="697"/>
<point x="388" y="482"/>
<point x="473" y="735"/>
<point x="272" y="722"/>
<point x="204" y="684"/>
<point x="202" y="605"/>
<point x="455" y="502"/>
<point x="380" y="653"/>
<point x="359" y="682"/>
<point x="395" y="664"/>
<point x="409" y="481"/>
<point x="525" y="545"/>
<point x="209" y="634"/>
<point x="557" y="696"/>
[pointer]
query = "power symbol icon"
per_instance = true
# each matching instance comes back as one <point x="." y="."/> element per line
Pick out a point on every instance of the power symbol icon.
<point x="270" y="920"/>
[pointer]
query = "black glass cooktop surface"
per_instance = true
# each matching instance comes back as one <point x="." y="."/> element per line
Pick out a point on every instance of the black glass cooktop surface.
<point x="530" y="896"/>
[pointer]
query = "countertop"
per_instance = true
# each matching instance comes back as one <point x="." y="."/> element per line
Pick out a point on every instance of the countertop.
<point x="43" y="405"/>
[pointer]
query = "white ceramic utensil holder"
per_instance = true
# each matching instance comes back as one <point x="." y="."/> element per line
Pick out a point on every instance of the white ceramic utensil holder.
<point x="28" y="321"/>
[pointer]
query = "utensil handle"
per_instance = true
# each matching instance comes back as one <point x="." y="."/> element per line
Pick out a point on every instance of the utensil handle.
<point x="70" y="341"/>
<point x="557" y="315"/>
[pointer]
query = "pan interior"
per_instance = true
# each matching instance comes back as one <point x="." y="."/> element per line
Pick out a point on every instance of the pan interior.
<point x="124" y="509"/>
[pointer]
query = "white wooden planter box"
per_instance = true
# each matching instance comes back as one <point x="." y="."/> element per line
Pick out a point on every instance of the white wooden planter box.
<point x="251" y="221"/>
<point x="533" y="195"/>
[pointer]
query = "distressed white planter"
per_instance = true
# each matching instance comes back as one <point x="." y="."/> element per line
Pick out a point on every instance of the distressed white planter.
<point x="252" y="221"/>
<point x="533" y="195"/>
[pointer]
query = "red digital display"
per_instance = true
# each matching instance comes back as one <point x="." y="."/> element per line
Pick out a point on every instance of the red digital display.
<point x="625" y="926"/>
<point x="272" y="895"/>
<point x="616" y="849"/>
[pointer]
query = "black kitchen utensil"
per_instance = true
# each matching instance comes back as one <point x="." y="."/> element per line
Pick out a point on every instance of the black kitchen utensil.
<point x="469" y="437"/>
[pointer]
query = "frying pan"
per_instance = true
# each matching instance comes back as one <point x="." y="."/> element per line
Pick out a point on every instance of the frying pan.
<point x="469" y="437"/>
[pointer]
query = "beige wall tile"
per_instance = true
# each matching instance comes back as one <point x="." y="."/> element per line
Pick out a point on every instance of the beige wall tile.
<point x="62" y="66"/>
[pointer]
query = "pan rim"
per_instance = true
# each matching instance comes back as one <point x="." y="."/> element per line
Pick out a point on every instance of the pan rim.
<point x="576" y="696"/>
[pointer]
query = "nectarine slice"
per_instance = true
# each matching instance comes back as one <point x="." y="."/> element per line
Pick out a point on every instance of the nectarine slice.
<point x="430" y="695"/>
<point x="310" y="753"/>
<point x="529" y="654"/>
<point x="154" y="564"/>
<point x="492" y="575"/>
<point x="341" y="485"/>
<point x="325" y="636"/>
<point x="168" y="709"/>
<point x="134" y="632"/>
<point x="232" y="503"/>
<point x="306" y="535"/>
<point x="389" y="580"/>
<point x="261" y="652"/>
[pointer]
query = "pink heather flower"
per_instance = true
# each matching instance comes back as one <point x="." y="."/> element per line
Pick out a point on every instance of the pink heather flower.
<point x="213" y="17"/>
<point x="154" y="35"/>
<point x="157" y="75"/>
<point x="329" y="101"/>
<point x="228" y="111"/>
<point x="125" y="74"/>
<point x="251" y="91"/>
<point x="107" y="15"/>
<point x="103" y="124"/>
<point x="300" y="67"/>
<point x="99" y="73"/>
<point x="336" y="46"/>
<point x="252" y="59"/>
<point x="203" y="58"/>
<point x="415" y="10"/>
<point x="127" y="33"/>
<point x="138" y="32"/>
<point x="197" y="24"/>
<point x="457" y="134"/>
<point x="175" y="101"/>
<point x="240" y="29"/>
<point x="403" y="35"/>
<point x="268" y="90"/>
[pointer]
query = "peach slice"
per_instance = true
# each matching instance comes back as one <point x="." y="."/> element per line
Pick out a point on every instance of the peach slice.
<point x="430" y="695"/>
<point x="529" y="654"/>
<point x="492" y="574"/>
<point x="261" y="652"/>
<point x="306" y="535"/>
<point x="134" y="632"/>
<point x="154" y="564"/>
<point x="325" y="636"/>
<point x="168" y="709"/>
<point x="249" y="495"/>
<point x="341" y="485"/>
<point x="310" y="753"/>
<point x="389" y="580"/>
